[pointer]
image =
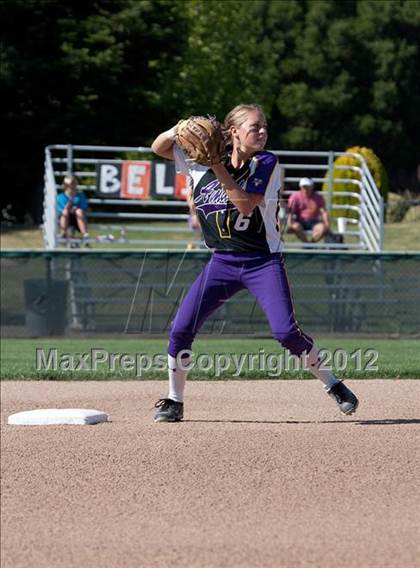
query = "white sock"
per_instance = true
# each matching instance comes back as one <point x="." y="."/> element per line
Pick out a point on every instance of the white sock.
<point x="313" y="365"/>
<point x="177" y="378"/>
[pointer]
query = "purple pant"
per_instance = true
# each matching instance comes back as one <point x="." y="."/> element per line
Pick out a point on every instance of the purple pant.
<point x="224" y="275"/>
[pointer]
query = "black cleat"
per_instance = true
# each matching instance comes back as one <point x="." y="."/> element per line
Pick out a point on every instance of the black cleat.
<point x="345" y="399"/>
<point x="169" y="410"/>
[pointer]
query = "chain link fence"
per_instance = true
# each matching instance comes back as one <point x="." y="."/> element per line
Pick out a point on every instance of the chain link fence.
<point x="78" y="293"/>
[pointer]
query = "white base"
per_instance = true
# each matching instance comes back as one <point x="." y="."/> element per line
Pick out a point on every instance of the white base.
<point x="48" y="416"/>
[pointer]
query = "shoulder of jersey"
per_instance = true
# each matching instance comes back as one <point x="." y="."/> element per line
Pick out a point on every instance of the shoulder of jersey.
<point x="266" y="157"/>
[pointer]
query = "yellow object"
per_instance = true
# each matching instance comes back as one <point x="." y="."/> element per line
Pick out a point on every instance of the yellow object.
<point x="376" y="168"/>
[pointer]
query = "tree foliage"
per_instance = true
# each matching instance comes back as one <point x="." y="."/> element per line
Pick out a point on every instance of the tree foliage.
<point x="329" y="74"/>
<point x="228" y="60"/>
<point x="83" y="73"/>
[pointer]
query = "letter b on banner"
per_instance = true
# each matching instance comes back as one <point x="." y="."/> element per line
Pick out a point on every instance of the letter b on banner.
<point x="108" y="180"/>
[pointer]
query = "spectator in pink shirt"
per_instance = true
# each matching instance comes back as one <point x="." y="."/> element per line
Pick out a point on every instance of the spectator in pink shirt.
<point x="307" y="212"/>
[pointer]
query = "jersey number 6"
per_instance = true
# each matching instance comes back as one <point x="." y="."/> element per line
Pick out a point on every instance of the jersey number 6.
<point x="242" y="223"/>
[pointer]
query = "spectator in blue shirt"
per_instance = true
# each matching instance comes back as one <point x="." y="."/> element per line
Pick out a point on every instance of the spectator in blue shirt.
<point x="71" y="207"/>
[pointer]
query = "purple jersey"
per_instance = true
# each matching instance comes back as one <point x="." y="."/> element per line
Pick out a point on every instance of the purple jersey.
<point x="224" y="227"/>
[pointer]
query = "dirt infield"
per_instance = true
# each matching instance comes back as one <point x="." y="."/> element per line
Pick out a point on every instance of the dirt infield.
<point x="261" y="474"/>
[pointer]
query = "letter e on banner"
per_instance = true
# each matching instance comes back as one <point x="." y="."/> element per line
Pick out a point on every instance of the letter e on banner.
<point x="181" y="186"/>
<point x="135" y="179"/>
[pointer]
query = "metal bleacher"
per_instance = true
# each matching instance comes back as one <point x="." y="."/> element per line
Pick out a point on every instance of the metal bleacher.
<point x="162" y="219"/>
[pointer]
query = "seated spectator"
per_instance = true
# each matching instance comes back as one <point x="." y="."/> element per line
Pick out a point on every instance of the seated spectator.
<point x="307" y="212"/>
<point x="71" y="207"/>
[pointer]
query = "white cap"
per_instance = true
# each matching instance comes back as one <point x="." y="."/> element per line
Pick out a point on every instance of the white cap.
<point x="306" y="182"/>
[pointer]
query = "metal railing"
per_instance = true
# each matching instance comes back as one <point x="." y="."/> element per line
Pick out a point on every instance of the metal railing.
<point x="50" y="208"/>
<point x="362" y="229"/>
<point x="368" y="230"/>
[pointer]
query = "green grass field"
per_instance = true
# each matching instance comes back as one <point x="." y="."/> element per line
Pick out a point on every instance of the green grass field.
<point x="356" y="359"/>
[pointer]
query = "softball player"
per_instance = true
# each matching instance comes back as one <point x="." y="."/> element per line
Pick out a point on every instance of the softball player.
<point x="236" y="205"/>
